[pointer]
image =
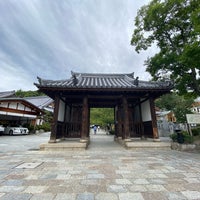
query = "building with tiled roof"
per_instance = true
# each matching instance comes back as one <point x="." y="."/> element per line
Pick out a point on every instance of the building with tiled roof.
<point x="104" y="82"/>
<point x="16" y="110"/>
<point x="131" y="98"/>
<point x="42" y="102"/>
<point x="7" y="94"/>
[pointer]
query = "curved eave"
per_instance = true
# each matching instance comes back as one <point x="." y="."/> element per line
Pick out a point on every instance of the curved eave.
<point x="158" y="91"/>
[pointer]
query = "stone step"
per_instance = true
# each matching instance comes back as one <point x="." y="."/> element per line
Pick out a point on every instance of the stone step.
<point x="147" y="144"/>
<point x="64" y="146"/>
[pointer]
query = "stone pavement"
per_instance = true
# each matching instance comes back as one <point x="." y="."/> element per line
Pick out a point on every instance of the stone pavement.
<point x="106" y="171"/>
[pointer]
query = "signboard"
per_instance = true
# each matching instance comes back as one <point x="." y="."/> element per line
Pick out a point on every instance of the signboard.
<point x="193" y="118"/>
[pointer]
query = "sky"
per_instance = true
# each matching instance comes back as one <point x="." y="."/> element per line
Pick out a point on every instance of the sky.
<point x="51" y="38"/>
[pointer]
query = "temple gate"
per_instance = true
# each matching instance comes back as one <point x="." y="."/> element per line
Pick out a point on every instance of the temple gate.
<point x="131" y="98"/>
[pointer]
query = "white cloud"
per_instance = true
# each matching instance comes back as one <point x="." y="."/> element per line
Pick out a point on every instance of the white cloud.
<point x="51" y="38"/>
<point x="13" y="77"/>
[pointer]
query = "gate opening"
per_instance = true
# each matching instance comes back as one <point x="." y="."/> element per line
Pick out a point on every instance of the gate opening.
<point x="102" y="121"/>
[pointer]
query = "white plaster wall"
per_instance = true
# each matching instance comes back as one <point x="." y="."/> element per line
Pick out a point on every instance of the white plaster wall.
<point x="146" y="111"/>
<point x="30" y="116"/>
<point x="20" y="107"/>
<point x="27" y="109"/>
<point x="17" y="114"/>
<point x="13" y="105"/>
<point x="61" y="111"/>
<point x="4" y="105"/>
<point x="39" y="121"/>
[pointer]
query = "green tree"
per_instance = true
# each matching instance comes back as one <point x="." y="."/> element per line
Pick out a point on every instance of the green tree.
<point x="180" y="105"/>
<point x="29" y="93"/>
<point x="174" y="27"/>
<point x="101" y="116"/>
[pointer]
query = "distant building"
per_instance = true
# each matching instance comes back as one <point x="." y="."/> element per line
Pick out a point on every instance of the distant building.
<point x="15" y="110"/>
<point x="165" y="116"/>
<point x="196" y="106"/>
<point x="44" y="103"/>
<point x="7" y="94"/>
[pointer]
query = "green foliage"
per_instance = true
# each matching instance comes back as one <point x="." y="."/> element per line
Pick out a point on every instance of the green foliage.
<point x="48" y="116"/>
<point x="112" y="132"/>
<point x="196" y="131"/>
<point x="45" y="126"/>
<point x="167" y="102"/>
<point x="20" y="93"/>
<point x="101" y="116"/>
<point x="180" y="105"/>
<point x="29" y="126"/>
<point x="173" y="137"/>
<point x="188" y="139"/>
<point x="172" y="25"/>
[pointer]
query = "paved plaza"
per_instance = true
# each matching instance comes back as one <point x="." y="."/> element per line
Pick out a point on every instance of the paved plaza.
<point x="105" y="171"/>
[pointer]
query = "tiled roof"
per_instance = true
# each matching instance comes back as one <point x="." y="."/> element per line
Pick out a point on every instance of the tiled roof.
<point x="86" y="80"/>
<point x="39" y="101"/>
<point x="7" y="94"/>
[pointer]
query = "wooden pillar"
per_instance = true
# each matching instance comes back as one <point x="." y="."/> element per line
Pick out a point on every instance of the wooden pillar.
<point x="119" y="121"/>
<point x="141" y="123"/>
<point x="88" y="130"/>
<point x="126" y="119"/>
<point x="153" y="117"/>
<point x="53" y="135"/>
<point x="65" y="122"/>
<point x="115" y="120"/>
<point x="85" y="119"/>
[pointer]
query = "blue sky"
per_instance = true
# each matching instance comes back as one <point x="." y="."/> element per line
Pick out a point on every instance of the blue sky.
<point x="49" y="38"/>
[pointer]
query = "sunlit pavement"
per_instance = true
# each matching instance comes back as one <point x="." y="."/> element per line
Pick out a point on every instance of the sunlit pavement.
<point x="106" y="171"/>
<point x="17" y="143"/>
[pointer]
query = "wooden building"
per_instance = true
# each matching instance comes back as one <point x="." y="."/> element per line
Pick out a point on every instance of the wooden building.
<point x="28" y="110"/>
<point x="18" y="111"/>
<point x="131" y="98"/>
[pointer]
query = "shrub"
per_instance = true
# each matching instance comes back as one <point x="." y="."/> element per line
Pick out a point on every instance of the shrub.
<point x="112" y="132"/>
<point x="196" y="131"/>
<point x="29" y="126"/>
<point x="45" y="126"/>
<point x="173" y="137"/>
<point x="187" y="139"/>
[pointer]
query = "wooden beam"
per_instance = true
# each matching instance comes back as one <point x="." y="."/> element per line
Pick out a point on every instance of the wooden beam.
<point x="66" y="90"/>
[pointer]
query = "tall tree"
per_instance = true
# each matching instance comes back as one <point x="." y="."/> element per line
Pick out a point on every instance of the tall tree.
<point x="180" y="105"/>
<point x="174" y="26"/>
<point x="102" y="116"/>
<point x="29" y="93"/>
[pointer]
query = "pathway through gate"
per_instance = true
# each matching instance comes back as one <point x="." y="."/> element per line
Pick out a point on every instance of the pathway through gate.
<point x="103" y="142"/>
